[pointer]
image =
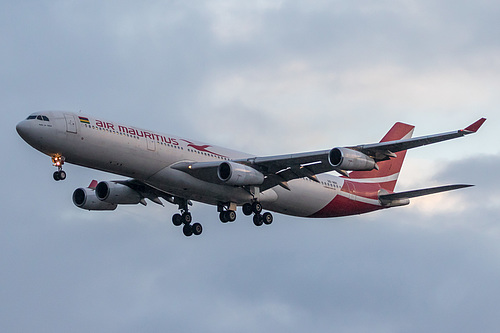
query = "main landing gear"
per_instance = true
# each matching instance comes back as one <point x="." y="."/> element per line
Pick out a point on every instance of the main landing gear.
<point x="227" y="213"/>
<point x="58" y="162"/>
<point x="258" y="218"/>
<point x="185" y="218"/>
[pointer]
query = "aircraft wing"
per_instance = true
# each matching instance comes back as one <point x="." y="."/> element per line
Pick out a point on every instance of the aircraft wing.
<point x="277" y="170"/>
<point x="280" y="169"/>
<point x="381" y="148"/>
<point x="149" y="192"/>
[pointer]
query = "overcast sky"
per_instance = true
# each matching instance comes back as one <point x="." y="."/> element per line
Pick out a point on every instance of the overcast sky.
<point x="265" y="77"/>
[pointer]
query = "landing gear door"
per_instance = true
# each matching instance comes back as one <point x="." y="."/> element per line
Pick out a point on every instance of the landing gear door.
<point x="70" y="123"/>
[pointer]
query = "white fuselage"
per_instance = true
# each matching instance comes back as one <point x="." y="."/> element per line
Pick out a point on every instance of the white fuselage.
<point x="149" y="156"/>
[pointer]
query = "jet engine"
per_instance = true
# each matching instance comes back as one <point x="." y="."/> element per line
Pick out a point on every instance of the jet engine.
<point x="351" y="160"/>
<point x="85" y="198"/>
<point x="238" y="174"/>
<point x="116" y="193"/>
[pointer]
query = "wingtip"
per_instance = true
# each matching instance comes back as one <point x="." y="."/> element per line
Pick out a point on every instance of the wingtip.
<point x="464" y="186"/>
<point x="473" y="128"/>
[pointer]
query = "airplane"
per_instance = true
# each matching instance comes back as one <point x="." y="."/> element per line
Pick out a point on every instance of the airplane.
<point x="180" y="171"/>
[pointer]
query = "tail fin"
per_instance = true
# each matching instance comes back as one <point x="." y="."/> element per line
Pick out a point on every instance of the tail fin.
<point x="388" y="171"/>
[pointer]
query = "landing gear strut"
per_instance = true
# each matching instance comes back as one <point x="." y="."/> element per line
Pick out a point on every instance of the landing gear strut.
<point x="58" y="162"/>
<point x="186" y="218"/>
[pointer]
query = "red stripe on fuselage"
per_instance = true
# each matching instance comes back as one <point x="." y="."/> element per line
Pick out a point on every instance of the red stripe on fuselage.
<point x="344" y="206"/>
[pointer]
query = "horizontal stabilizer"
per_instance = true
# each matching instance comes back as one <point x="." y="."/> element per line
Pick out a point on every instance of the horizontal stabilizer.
<point x="387" y="198"/>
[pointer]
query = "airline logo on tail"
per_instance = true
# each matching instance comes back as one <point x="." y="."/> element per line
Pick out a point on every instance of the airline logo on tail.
<point x="388" y="170"/>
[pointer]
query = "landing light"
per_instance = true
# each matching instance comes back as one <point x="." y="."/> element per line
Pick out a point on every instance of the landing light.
<point x="57" y="160"/>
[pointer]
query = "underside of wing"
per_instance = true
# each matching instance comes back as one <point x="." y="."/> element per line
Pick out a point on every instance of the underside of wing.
<point x="267" y="172"/>
<point x="106" y="195"/>
<point x="144" y="190"/>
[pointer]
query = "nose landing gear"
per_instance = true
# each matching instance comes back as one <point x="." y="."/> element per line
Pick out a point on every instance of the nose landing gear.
<point x="58" y="162"/>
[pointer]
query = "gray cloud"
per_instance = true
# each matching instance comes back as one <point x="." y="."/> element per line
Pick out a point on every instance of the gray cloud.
<point x="297" y="76"/>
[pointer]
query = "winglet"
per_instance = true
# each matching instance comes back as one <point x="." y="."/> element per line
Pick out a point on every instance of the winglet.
<point x="93" y="184"/>
<point x="474" y="127"/>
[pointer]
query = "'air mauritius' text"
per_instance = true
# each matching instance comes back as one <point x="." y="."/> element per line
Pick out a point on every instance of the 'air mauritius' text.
<point x="136" y="132"/>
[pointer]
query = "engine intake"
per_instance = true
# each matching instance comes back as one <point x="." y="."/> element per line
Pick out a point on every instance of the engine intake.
<point x="238" y="174"/>
<point x="351" y="160"/>
<point x="117" y="193"/>
<point x="85" y="198"/>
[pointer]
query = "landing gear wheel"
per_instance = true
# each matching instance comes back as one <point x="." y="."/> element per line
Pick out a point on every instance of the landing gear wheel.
<point x="177" y="219"/>
<point x="257" y="220"/>
<point x="187" y="230"/>
<point x="197" y="229"/>
<point x="267" y="218"/>
<point x="223" y="217"/>
<point x="256" y="207"/>
<point x="227" y="216"/>
<point x="59" y="175"/>
<point x="187" y="218"/>
<point x="231" y="215"/>
<point x="247" y="209"/>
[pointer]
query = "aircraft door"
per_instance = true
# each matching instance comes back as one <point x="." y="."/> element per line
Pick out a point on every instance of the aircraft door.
<point x="151" y="144"/>
<point x="70" y="123"/>
<point x="352" y="190"/>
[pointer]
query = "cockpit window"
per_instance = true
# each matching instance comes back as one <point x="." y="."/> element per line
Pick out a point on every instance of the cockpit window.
<point x="39" y="117"/>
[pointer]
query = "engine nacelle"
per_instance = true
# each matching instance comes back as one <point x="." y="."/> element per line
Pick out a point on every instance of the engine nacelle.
<point x="85" y="198"/>
<point x="351" y="160"/>
<point x="238" y="174"/>
<point x="117" y="193"/>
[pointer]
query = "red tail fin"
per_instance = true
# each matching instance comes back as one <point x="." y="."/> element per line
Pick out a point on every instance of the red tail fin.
<point x="388" y="172"/>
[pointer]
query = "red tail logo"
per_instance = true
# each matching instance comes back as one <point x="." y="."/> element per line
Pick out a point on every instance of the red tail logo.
<point x="388" y="172"/>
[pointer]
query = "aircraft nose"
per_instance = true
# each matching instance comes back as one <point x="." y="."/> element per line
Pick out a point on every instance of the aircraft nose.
<point x="22" y="129"/>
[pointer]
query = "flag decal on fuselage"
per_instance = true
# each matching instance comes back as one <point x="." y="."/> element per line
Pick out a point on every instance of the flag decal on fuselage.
<point x="84" y="120"/>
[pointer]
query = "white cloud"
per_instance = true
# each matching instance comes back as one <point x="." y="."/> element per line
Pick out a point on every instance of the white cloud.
<point x="239" y="22"/>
